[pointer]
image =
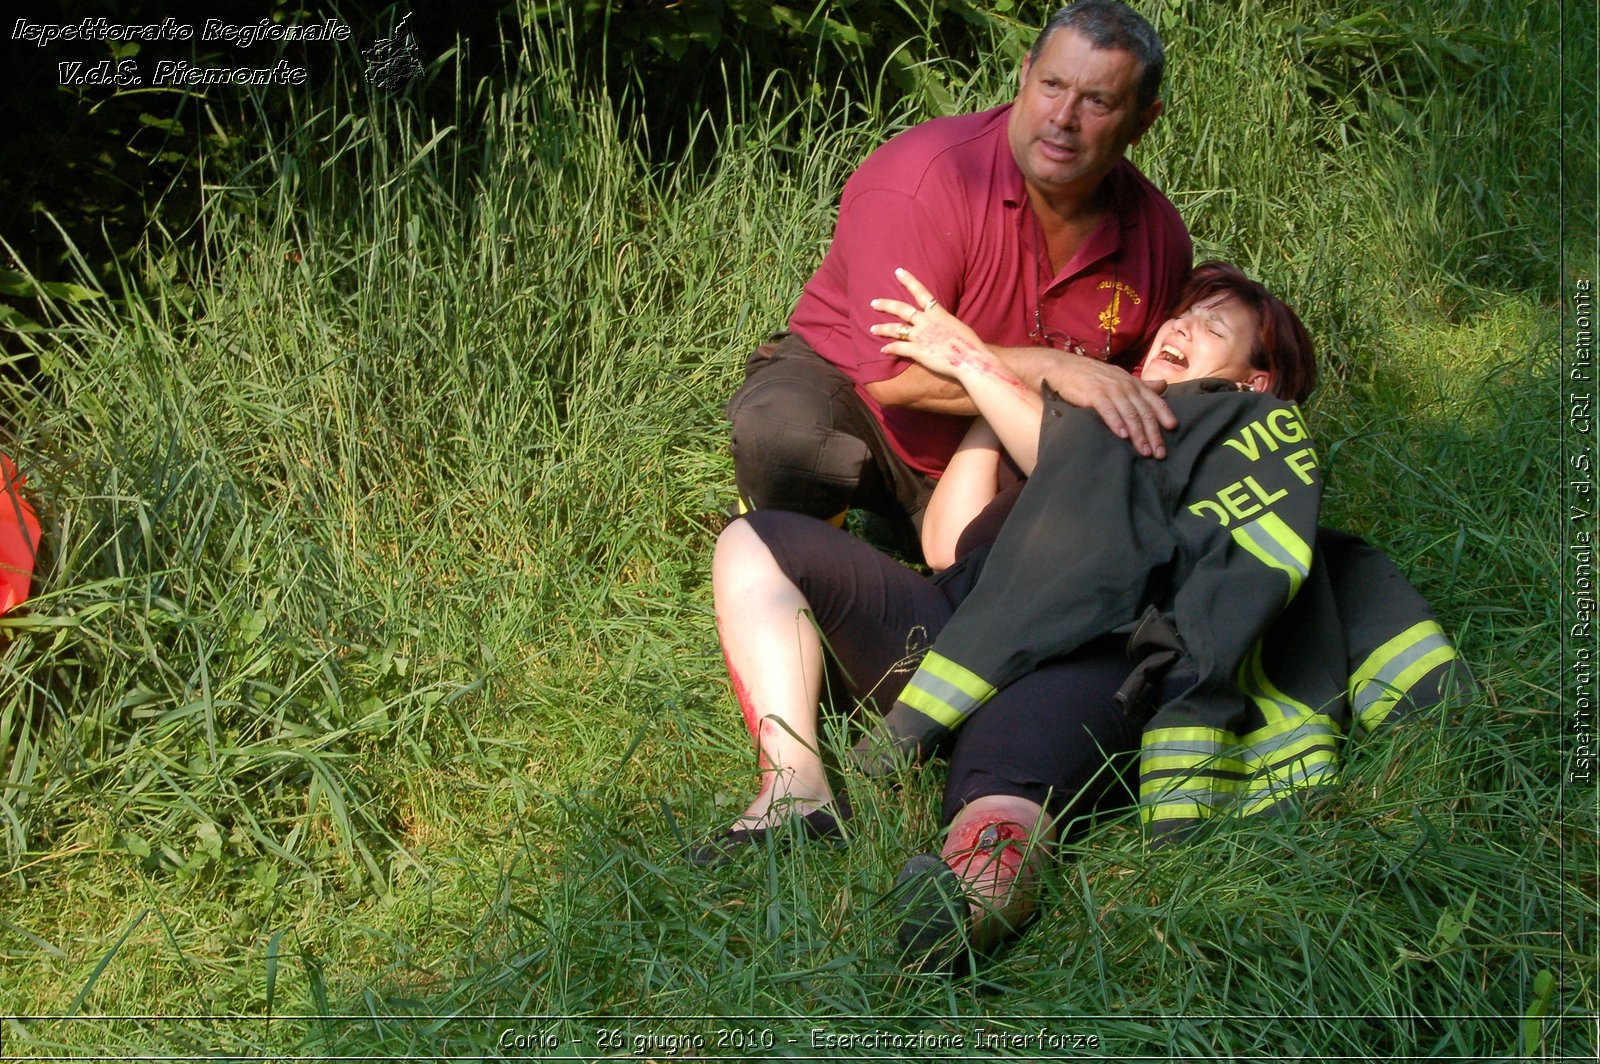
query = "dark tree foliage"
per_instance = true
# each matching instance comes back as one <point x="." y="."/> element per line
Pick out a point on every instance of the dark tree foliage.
<point x="109" y="167"/>
<point x="104" y="162"/>
<point x="668" y="61"/>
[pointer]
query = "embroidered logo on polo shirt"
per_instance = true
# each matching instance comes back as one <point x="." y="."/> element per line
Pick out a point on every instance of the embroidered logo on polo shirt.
<point x="1111" y="317"/>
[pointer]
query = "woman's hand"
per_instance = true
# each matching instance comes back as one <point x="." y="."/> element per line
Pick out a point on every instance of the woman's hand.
<point x="942" y="343"/>
<point x="930" y="335"/>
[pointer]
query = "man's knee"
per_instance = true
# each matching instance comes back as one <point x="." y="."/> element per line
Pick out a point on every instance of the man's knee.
<point x="785" y="455"/>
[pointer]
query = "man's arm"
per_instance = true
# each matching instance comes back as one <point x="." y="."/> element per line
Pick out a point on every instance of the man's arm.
<point x="1130" y="407"/>
<point x="922" y="389"/>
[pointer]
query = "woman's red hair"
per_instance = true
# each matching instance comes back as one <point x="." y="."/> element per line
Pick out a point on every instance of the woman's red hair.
<point x="1282" y="346"/>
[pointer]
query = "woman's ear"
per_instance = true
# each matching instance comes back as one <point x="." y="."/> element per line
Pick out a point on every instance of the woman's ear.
<point x="1259" y="381"/>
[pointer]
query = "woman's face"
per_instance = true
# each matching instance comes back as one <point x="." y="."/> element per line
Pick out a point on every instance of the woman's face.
<point x="1213" y="338"/>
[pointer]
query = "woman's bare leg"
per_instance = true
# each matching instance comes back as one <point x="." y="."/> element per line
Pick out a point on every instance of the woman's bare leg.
<point x="774" y="658"/>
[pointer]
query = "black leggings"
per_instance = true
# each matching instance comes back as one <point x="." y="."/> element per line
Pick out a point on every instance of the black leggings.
<point x="1055" y="736"/>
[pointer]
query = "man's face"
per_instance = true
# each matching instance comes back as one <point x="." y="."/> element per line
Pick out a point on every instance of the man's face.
<point x="1075" y="114"/>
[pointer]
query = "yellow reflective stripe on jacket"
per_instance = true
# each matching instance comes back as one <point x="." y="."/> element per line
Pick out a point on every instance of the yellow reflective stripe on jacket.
<point x="1191" y="736"/>
<point x="1259" y="799"/>
<point x="1171" y="763"/>
<point x="1308" y="760"/>
<point x="945" y="691"/>
<point x="1290" y="758"/>
<point x="1173" y="750"/>
<point x="1388" y="673"/>
<point x="1203" y="769"/>
<point x="1287" y="742"/>
<point x="1186" y="759"/>
<point x="1176" y="811"/>
<point x="1273" y="703"/>
<point x="1278" y="546"/>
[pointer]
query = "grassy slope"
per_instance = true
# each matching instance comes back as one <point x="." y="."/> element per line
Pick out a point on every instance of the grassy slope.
<point x="374" y="671"/>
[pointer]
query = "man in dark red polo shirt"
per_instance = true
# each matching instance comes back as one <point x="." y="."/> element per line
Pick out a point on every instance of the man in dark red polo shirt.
<point x="1027" y="222"/>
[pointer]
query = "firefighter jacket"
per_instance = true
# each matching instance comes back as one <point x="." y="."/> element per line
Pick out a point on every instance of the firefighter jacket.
<point x="1206" y="560"/>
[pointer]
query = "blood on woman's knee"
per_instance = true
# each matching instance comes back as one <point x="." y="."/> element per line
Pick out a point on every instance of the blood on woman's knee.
<point x="987" y="847"/>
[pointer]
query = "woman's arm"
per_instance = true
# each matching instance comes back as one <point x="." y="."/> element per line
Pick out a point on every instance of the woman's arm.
<point x="936" y="339"/>
<point x="970" y="482"/>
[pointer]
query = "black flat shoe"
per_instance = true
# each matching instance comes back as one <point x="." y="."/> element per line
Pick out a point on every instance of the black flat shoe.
<point x="933" y="912"/>
<point x="818" y="824"/>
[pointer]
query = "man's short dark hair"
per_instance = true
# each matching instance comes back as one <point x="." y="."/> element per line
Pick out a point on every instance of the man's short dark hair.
<point x="1110" y="25"/>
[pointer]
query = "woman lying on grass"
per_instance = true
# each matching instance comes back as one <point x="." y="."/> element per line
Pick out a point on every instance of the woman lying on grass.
<point x="1063" y="585"/>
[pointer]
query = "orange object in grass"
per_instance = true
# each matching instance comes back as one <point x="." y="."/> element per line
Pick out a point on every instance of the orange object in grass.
<point x="19" y="538"/>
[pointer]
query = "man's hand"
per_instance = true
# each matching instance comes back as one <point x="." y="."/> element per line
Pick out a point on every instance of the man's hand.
<point x="1130" y="407"/>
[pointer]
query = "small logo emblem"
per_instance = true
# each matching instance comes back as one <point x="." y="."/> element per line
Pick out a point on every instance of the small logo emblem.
<point x="1111" y="317"/>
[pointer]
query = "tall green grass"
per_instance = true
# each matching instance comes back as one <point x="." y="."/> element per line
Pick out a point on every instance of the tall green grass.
<point x="372" y="688"/>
